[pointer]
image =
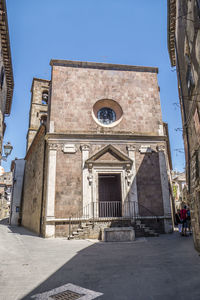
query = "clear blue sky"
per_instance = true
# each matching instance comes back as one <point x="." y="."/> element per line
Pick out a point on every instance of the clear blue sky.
<point x="130" y="32"/>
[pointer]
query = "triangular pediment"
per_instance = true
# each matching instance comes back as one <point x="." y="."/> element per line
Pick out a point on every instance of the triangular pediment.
<point x="109" y="154"/>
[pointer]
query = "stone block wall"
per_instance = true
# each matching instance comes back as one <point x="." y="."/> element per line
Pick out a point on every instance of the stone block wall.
<point x="185" y="41"/>
<point x="33" y="183"/>
<point x="75" y="90"/>
<point x="68" y="196"/>
<point x="149" y="189"/>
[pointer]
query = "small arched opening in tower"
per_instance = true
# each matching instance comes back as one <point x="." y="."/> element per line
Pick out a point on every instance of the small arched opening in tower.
<point x="43" y="119"/>
<point x="45" y="95"/>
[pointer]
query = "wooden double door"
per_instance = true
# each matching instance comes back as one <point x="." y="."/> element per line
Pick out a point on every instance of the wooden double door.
<point x="110" y="198"/>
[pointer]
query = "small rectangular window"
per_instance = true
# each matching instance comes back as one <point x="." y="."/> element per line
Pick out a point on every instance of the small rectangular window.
<point x="17" y="208"/>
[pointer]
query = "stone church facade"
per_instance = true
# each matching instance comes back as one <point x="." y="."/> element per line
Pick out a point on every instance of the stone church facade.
<point x="101" y="152"/>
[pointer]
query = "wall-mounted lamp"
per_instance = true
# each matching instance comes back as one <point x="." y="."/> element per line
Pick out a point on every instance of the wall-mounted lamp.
<point x="7" y="150"/>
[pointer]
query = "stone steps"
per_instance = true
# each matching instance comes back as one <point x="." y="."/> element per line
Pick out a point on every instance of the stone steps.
<point x="89" y="230"/>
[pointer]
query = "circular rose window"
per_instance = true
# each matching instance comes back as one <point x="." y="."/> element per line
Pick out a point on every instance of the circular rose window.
<point x="106" y="115"/>
<point x="107" y="112"/>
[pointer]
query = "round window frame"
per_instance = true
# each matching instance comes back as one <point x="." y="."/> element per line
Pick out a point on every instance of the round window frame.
<point x="109" y="103"/>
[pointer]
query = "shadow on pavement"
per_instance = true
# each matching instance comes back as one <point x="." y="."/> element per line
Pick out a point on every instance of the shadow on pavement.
<point x="155" y="268"/>
<point x="4" y="221"/>
<point x="22" y="231"/>
<point x="17" y="229"/>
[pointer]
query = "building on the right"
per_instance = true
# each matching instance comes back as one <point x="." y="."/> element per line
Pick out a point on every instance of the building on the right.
<point x="184" y="52"/>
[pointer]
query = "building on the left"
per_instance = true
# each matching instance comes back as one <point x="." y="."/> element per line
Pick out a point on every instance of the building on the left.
<point x="5" y="193"/>
<point x="6" y="73"/>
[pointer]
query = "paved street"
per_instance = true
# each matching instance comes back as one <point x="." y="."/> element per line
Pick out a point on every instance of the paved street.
<point x="166" y="267"/>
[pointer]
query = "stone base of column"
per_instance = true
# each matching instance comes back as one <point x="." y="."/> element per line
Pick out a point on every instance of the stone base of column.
<point x="49" y="230"/>
<point x="168" y="225"/>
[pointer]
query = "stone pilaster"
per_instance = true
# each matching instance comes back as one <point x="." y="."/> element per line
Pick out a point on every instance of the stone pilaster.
<point x="133" y="197"/>
<point x="51" y="183"/>
<point x="86" y="177"/>
<point x="165" y="189"/>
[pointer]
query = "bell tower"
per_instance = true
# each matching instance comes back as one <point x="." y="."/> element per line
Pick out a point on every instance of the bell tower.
<point x="38" y="108"/>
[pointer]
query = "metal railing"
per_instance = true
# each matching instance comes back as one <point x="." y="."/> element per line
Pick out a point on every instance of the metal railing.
<point x="108" y="210"/>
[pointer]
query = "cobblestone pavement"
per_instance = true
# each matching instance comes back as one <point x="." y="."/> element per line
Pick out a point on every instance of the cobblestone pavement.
<point x="166" y="267"/>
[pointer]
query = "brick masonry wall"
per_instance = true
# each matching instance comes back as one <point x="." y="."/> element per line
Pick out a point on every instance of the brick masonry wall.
<point x="76" y="90"/>
<point x="33" y="183"/>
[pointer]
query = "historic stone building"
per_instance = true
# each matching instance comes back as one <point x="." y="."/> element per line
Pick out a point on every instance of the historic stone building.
<point x="184" y="51"/>
<point x="5" y="194"/>
<point x="6" y="86"/>
<point x="101" y="154"/>
<point x="17" y="169"/>
<point x="6" y="73"/>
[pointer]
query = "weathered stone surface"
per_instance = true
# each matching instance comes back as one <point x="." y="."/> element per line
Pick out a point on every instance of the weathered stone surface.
<point x="149" y="184"/>
<point x="184" y="50"/>
<point x="33" y="183"/>
<point x="76" y="90"/>
<point x="119" y="234"/>
<point x="68" y="197"/>
<point x="38" y="107"/>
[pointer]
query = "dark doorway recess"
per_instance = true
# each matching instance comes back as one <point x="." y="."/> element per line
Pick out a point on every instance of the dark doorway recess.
<point x="110" y="199"/>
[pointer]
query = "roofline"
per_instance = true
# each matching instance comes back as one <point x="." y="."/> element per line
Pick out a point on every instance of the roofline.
<point x="38" y="79"/>
<point x="41" y="79"/>
<point x="171" y="30"/>
<point x="104" y="66"/>
<point x="6" y="55"/>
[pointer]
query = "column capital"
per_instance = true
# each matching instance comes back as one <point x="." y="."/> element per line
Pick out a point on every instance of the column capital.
<point x="85" y="147"/>
<point x="52" y="146"/>
<point x="160" y="148"/>
<point x="130" y="148"/>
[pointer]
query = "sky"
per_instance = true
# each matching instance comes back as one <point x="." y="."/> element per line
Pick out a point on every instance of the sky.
<point x="132" y="32"/>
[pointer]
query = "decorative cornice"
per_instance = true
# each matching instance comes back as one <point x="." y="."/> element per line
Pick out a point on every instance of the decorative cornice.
<point x="5" y="46"/>
<point x="171" y="30"/>
<point x="121" y="157"/>
<point x="104" y="66"/>
<point x="119" y="136"/>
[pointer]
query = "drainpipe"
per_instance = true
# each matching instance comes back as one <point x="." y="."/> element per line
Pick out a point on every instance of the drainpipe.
<point x="184" y="114"/>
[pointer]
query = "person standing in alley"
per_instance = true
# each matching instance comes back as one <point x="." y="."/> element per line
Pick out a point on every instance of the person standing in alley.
<point x="183" y="215"/>
<point x="178" y="221"/>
